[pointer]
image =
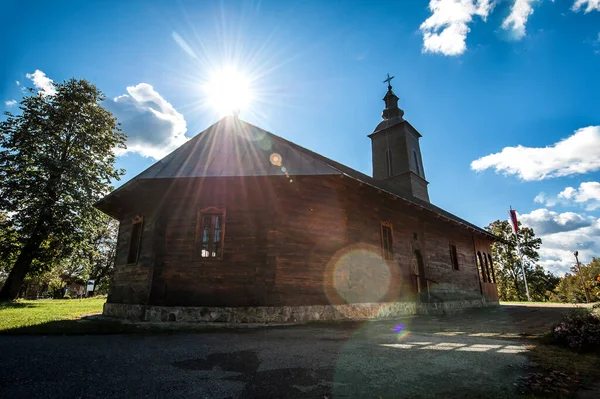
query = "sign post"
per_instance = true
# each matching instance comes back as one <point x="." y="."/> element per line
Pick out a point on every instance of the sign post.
<point x="90" y="287"/>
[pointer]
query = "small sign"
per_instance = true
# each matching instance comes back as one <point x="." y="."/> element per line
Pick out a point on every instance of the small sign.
<point x="90" y="285"/>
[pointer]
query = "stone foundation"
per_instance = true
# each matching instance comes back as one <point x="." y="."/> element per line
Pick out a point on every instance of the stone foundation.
<point x="287" y="314"/>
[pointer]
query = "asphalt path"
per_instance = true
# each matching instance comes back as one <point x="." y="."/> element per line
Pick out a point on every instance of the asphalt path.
<point x="478" y="354"/>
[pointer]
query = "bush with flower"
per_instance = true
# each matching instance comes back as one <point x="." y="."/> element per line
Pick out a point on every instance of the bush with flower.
<point x="579" y="331"/>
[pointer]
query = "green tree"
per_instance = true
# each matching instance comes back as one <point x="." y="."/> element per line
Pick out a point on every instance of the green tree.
<point x="508" y="264"/>
<point x="569" y="288"/>
<point x="94" y="257"/>
<point x="56" y="159"/>
<point x="9" y="246"/>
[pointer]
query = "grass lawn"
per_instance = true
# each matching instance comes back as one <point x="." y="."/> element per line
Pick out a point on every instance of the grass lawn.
<point x="55" y="316"/>
<point x="24" y="313"/>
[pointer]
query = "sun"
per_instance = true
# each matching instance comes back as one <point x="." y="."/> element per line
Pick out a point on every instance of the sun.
<point x="228" y="91"/>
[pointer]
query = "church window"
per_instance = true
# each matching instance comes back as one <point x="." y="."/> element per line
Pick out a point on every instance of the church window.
<point x="481" y="267"/>
<point x="388" y="162"/>
<point x="416" y="158"/>
<point x="487" y="269"/>
<point x="492" y="268"/>
<point x="453" y="257"/>
<point x="387" y="241"/>
<point x="135" y="240"/>
<point x="210" y="229"/>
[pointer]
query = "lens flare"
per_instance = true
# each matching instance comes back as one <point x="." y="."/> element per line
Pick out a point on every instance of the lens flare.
<point x="275" y="159"/>
<point x="358" y="274"/>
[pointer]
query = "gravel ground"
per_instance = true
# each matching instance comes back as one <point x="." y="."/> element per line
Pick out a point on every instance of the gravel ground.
<point x="477" y="354"/>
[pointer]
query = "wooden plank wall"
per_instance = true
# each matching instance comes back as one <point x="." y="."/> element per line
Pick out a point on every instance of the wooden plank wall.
<point x="245" y="274"/>
<point x="313" y="240"/>
<point x="329" y="248"/>
<point x="131" y="281"/>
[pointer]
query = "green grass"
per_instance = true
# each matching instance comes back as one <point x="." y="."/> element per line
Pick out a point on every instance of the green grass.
<point x="54" y="316"/>
<point x="64" y="317"/>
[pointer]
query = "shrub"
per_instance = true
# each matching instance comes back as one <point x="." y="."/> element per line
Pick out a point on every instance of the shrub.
<point x="579" y="331"/>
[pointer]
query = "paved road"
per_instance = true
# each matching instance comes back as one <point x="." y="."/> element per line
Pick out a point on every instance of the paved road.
<point x="477" y="354"/>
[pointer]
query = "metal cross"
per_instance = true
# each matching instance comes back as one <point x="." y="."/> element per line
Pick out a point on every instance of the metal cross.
<point x="389" y="80"/>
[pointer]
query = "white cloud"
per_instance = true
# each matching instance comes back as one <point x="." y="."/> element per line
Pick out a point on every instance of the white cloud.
<point x="562" y="234"/>
<point x="517" y="19"/>
<point x="445" y="31"/>
<point x="579" y="153"/>
<point x="10" y="103"/>
<point x="590" y="5"/>
<point x="42" y="82"/>
<point x="587" y="194"/>
<point x="544" y="221"/>
<point x="543" y="198"/>
<point x="567" y="193"/>
<point x="153" y="126"/>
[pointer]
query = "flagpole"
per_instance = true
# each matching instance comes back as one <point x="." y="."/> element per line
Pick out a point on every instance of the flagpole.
<point x="523" y="269"/>
<point x="513" y="220"/>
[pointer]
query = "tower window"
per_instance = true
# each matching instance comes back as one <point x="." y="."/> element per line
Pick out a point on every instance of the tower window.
<point x="416" y="162"/>
<point x="388" y="162"/>
<point x="387" y="241"/>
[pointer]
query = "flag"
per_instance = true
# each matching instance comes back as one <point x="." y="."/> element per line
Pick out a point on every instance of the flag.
<point x="513" y="221"/>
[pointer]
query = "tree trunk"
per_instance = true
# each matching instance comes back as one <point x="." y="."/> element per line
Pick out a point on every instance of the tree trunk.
<point x="13" y="283"/>
<point x="516" y="283"/>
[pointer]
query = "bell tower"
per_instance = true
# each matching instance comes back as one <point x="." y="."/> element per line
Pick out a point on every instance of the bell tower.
<point x="396" y="152"/>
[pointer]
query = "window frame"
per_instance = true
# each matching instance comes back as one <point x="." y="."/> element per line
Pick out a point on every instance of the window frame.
<point x="198" y="241"/>
<point x="483" y="275"/>
<point x="492" y="269"/>
<point x="387" y="253"/>
<point x="453" y="256"/>
<point x="416" y="158"/>
<point x="136" y="221"/>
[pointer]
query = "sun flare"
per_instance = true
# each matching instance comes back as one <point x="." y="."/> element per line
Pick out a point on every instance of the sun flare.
<point x="228" y="91"/>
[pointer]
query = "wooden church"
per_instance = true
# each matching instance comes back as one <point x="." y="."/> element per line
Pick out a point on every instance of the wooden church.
<point x="239" y="224"/>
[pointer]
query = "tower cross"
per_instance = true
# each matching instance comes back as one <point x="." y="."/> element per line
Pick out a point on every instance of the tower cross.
<point x="388" y="80"/>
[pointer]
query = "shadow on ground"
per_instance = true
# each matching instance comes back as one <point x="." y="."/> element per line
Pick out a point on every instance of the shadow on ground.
<point x="480" y="353"/>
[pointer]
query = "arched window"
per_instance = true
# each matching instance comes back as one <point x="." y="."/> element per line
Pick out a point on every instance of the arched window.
<point x="416" y="157"/>
<point x="492" y="269"/>
<point x="487" y="269"/>
<point x="388" y="163"/>
<point x="481" y="267"/>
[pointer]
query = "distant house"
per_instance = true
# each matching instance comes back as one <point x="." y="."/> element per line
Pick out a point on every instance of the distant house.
<point x="239" y="224"/>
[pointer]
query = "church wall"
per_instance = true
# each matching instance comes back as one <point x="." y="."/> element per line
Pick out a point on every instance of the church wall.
<point x="310" y="229"/>
<point x="315" y="240"/>
<point x="329" y="247"/>
<point x="131" y="281"/>
<point x="450" y="284"/>
<point x="244" y="275"/>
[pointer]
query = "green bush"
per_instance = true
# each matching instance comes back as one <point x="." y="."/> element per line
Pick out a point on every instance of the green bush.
<point x="579" y="331"/>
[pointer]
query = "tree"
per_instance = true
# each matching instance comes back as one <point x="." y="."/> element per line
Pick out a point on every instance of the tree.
<point x="56" y="158"/>
<point x="94" y="257"/>
<point x="508" y="264"/>
<point x="9" y="246"/>
<point x="569" y="288"/>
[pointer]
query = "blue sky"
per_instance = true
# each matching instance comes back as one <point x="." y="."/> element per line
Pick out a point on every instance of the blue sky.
<point x="477" y="78"/>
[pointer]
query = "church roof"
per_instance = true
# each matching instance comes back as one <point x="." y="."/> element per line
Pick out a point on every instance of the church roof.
<point x="232" y="147"/>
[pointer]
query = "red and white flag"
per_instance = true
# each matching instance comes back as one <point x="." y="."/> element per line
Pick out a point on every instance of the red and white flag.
<point x="513" y="221"/>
